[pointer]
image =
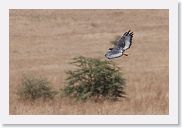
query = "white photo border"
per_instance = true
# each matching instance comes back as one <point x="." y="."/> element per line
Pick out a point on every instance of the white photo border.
<point x="172" y="118"/>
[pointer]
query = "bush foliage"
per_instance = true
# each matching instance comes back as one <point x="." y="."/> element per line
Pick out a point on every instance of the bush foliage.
<point x="35" y="87"/>
<point x="94" y="78"/>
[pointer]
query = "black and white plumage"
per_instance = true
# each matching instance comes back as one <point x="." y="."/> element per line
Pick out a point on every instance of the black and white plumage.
<point x="123" y="44"/>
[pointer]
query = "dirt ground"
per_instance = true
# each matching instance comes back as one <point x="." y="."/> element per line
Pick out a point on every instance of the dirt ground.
<point x="44" y="41"/>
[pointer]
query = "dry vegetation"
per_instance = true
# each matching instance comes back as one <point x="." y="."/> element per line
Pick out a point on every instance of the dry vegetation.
<point x="44" y="41"/>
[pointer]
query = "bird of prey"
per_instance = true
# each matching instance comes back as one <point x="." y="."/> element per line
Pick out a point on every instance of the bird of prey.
<point x="123" y="44"/>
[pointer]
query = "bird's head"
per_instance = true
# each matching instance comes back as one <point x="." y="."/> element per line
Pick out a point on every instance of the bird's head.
<point x="108" y="53"/>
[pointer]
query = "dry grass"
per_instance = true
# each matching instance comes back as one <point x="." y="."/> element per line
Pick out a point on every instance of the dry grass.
<point x="44" y="41"/>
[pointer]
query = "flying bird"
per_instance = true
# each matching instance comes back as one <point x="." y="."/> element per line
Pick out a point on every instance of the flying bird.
<point x="121" y="46"/>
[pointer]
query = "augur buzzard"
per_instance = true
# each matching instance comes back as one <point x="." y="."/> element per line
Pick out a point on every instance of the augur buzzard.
<point x="123" y="44"/>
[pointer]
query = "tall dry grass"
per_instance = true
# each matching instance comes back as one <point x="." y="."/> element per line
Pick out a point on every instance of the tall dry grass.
<point x="44" y="41"/>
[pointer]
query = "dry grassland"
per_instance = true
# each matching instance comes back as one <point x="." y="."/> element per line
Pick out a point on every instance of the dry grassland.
<point x="44" y="41"/>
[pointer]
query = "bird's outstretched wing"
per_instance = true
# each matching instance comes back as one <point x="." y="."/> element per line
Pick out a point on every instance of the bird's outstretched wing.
<point x="125" y="41"/>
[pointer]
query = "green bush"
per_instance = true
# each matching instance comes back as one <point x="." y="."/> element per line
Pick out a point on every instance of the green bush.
<point x="35" y="87"/>
<point x="94" y="78"/>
